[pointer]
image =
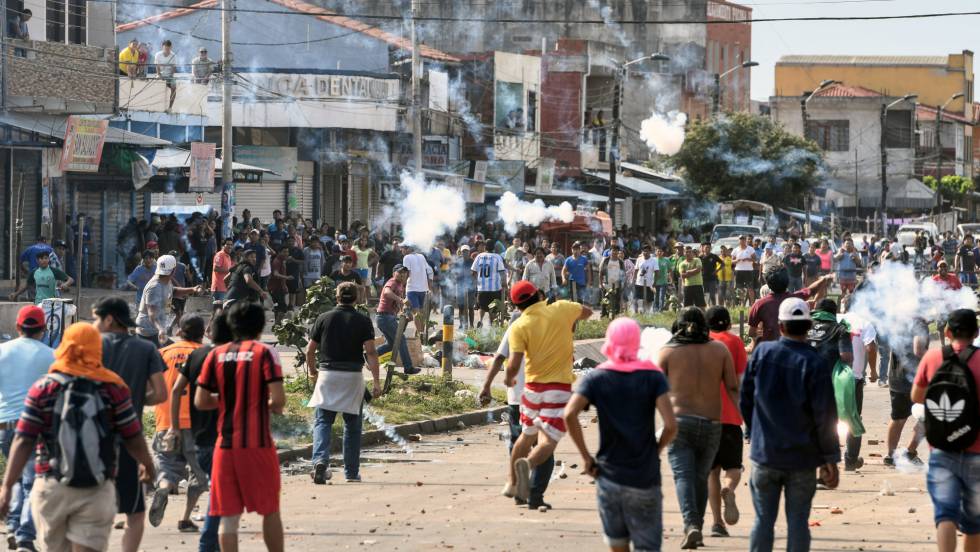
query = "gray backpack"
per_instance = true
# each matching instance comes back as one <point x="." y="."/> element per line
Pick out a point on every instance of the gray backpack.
<point x="83" y="451"/>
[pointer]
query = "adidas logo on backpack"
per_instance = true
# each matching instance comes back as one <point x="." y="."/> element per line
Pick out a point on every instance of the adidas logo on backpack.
<point x="952" y="409"/>
<point x="83" y="453"/>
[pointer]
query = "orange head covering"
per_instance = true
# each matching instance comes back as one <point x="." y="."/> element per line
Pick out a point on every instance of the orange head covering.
<point x="80" y="355"/>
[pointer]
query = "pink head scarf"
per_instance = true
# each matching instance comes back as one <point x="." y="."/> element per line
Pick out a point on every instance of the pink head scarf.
<point x="622" y="347"/>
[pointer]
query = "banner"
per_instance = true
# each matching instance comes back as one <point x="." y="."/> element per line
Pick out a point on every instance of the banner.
<point x="84" y="139"/>
<point x="202" y="167"/>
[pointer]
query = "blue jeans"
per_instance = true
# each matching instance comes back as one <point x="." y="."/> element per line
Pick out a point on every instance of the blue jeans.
<point x="691" y="455"/>
<point x="540" y="475"/>
<point x="388" y="324"/>
<point x="661" y="298"/>
<point x="953" y="481"/>
<point x="19" y="520"/>
<point x="795" y="284"/>
<point x="767" y="485"/>
<point x="209" y="532"/>
<point x="630" y="514"/>
<point x="352" y="440"/>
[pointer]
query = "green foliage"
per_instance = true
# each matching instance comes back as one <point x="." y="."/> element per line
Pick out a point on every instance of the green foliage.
<point x="293" y="331"/>
<point x="745" y="156"/>
<point x="426" y="397"/>
<point x="952" y="187"/>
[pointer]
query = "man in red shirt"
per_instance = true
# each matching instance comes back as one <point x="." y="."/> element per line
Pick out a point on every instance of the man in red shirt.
<point x="243" y="380"/>
<point x="945" y="281"/>
<point x="729" y="457"/>
<point x="764" y="315"/>
<point x="952" y="481"/>
<point x="221" y="266"/>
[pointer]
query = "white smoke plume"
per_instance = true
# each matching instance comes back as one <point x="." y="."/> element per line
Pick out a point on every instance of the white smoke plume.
<point x="428" y="210"/>
<point x="514" y="211"/>
<point x="664" y="133"/>
<point x="652" y="340"/>
<point x="893" y="297"/>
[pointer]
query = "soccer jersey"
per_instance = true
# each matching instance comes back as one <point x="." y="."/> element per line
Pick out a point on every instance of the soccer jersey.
<point x="240" y="373"/>
<point x="488" y="267"/>
<point x="174" y="356"/>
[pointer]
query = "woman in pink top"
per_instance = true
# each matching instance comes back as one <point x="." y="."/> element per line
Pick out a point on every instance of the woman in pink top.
<point x="826" y="257"/>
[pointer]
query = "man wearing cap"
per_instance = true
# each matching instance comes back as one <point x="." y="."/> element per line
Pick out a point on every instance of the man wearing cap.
<point x="22" y="362"/>
<point x="141" y="367"/>
<point x="156" y="304"/>
<point x="60" y="255"/>
<point x="389" y="305"/>
<point x="153" y="246"/>
<point x="790" y="414"/>
<point x="344" y="338"/>
<point x="142" y="274"/>
<point x="44" y="280"/>
<point x="542" y="338"/>
<point x="202" y="67"/>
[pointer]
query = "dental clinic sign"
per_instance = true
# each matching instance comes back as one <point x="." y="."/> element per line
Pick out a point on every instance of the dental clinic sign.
<point x="325" y="87"/>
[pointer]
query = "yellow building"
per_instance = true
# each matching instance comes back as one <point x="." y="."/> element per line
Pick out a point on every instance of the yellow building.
<point x="933" y="78"/>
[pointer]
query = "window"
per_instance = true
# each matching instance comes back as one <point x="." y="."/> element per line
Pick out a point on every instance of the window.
<point x="65" y="21"/>
<point x="830" y="135"/>
<point x="532" y="111"/>
<point x="898" y="129"/>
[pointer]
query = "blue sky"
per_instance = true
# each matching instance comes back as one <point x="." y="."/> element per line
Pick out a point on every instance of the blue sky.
<point x="936" y="36"/>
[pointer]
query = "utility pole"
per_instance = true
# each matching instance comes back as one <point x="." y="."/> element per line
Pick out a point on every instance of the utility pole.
<point x="716" y="96"/>
<point x="857" y="199"/>
<point x="806" y="134"/>
<point x="884" y="173"/>
<point x="416" y="92"/>
<point x="227" y="175"/>
<point x="614" y="147"/>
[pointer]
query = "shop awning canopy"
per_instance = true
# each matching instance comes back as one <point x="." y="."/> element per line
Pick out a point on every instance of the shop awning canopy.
<point x="636" y="187"/>
<point x="580" y="196"/>
<point x="910" y="193"/>
<point x="176" y="158"/>
<point x="55" y="125"/>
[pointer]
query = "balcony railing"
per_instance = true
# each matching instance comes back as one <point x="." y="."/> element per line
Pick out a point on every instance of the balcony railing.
<point x="59" y="77"/>
<point x="180" y="95"/>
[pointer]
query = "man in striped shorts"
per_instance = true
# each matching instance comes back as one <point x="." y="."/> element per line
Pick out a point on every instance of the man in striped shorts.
<point x="543" y="339"/>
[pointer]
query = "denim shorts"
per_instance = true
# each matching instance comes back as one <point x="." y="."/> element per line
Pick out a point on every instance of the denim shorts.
<point x="416" y="299"/>
<point x="953" y="481"/>
<point x="630" y="514"/>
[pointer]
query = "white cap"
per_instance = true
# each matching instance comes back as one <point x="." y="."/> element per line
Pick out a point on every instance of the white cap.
<point x="166" y="265"/>
<point x="792" y="309"/>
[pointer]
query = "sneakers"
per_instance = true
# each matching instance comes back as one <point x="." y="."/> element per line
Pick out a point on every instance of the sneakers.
<point x="523" y="469"/>
<point x="888" y="461"/>
<point x="691" y="539"/>
<point x="729" y="508"/>
<point x="719" y="530"/>
<point x="412" y="371"/>
<point x="187" y="526"/>
<point x="26" y="546"/>
<point x="321" y="474"/>
<point x="510" y="491"/>
<point x="158" y="506"/>
<point x="853" y="465"/>
<point x="353" y="479"/>
<point x="538" y="505"/>
<point x="913" y="458"/>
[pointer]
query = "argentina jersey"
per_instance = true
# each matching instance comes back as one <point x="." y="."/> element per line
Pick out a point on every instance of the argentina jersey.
<point x="488" y="268"/>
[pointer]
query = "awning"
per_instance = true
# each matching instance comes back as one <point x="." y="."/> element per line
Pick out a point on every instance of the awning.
<point x="635" y="186"/>
<point x="582" y="197"/>
<point x="908" y="194"/>
<point x="55" y="125"/>
<point x="175" y="158"/>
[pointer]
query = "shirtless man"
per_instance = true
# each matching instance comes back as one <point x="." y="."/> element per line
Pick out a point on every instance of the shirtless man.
<point x="695" y="367"/>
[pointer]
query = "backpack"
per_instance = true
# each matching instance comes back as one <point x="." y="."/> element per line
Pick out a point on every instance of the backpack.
<point x="824" y="336"/>
<point x="952" y="409"/>
<point x="83" y="451"/>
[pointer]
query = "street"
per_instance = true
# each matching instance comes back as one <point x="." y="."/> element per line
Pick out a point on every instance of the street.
<point x="445" y="495"/>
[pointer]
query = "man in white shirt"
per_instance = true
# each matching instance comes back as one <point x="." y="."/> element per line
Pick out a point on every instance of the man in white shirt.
<point x="419" y="281"/>
<point x="541" y="273"/>
<point x="165" y="62"/>
<point x="646" y="276"/>
<point x="744" y="257"/>
<point x="865" y="351"/>
<point x="488" y="270"/>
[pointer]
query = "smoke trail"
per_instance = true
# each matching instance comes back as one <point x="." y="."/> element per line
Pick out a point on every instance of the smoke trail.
<point x="515" y="211"/>
<point x="606" y="13"/>
<point x="893" y="298"/>
<point x="428" y="210"/>
<point x="378" y="421"/>
<point x="664" y="134"/>
<point x="651" y="341"/>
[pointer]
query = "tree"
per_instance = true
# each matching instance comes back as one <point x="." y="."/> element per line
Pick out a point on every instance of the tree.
<point x="743" y="156"/>
<point x="951" y="187"/>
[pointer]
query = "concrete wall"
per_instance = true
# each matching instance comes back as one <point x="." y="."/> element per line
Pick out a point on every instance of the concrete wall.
<point x="61" y="77"/>
<point x="729" y="45"/>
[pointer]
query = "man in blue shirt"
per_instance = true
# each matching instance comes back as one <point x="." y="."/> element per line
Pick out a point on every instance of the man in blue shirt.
<point x="22" y="362"/>
<point x="791" y="417"/>
<point x="576" y="271"/>
<point x="142" y="273"/>
<point x="28" y="258"/>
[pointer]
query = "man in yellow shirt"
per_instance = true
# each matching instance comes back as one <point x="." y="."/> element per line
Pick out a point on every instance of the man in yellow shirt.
<point x="129" y="58"/>
<point x="542" y="338"/>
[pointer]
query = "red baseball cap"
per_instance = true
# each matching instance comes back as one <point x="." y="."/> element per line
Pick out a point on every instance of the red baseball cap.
<point x="151" y="245"/>
<point x="30" y="317"/>
<point x="522" y="291"/>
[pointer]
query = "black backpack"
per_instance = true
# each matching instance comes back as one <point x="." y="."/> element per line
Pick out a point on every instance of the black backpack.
<point x="952" y="409"/>
<point x="83" y="451"/>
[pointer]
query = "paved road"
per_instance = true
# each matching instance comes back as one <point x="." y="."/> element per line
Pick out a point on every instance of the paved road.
<point x="445" y="496"/>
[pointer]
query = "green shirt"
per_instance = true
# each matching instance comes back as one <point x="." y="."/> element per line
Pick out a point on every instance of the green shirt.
<point x="687" y="265"/>
<point x="45" y="282"/>
<point x="663" y="273"/>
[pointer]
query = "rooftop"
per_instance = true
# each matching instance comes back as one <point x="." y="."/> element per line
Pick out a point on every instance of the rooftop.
<point x="939" y="61"/>
<point x="842" y="90"/>
<point x="929" y="113"/>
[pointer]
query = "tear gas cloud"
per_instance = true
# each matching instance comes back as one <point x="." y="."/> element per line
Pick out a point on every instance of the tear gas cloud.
<point x="515" y="211"/>
<point x="652" y="340"/>
<point x="664" y="134"/>
<point x="893" y="297"/>
<point x="428" y="210"/>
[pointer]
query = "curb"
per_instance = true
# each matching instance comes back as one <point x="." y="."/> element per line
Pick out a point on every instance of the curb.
<point x="425" y="427"/>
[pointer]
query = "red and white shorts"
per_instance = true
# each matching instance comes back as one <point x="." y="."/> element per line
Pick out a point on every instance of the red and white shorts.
<point x="543" y="407"/>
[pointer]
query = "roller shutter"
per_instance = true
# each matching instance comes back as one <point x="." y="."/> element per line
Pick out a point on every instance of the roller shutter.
<point x="27" y="164"/>
<point x="260" y="198"/>
<point x="359" y="194"/>
<point x="331" y="194"/>
<point x="90" y="205"/>
<point x="301" y="191"/>
<point x="185" y="200"/>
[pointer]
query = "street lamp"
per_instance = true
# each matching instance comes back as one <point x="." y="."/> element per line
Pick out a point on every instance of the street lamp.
<point x="939" y="143"/>
<point x="614" y="147"/>
<point x="806" y="123"/>
<point x="884" y="158"/>
<point x="716" y="96"/>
